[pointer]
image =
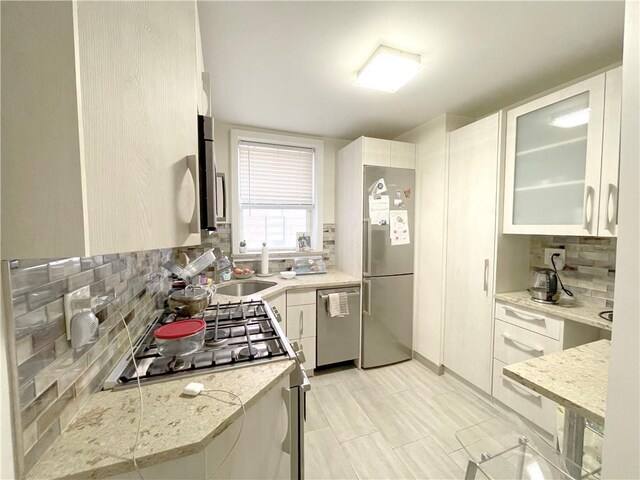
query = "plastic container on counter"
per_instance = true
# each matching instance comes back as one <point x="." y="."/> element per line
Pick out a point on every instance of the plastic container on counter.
<point x="180" y="338"/>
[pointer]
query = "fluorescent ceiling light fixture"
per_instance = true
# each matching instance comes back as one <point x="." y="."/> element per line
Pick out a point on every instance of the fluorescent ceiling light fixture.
<point x="388" y="69"/>
<point x="573" y="119"/>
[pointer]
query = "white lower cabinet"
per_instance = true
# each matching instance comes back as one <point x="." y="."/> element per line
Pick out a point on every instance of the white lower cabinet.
<point x="301" y="321"/>
<point x="258" y="454"/>
<point x="531" y="405"/>
<point x="519" y="335"/>
<point x="512" y="344"/>
<point x="301" y="324"/>
<point x="297" y="311"/>
<point x="532" y="321"/>
<point x="260" y="451"/>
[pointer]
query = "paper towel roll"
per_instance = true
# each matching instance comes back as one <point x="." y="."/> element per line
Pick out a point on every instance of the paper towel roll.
<point x="264" y="268"/>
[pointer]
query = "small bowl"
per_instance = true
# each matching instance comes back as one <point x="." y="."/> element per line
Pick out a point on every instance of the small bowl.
<point x="288" y="274"/>
<point x="243" y="276"/>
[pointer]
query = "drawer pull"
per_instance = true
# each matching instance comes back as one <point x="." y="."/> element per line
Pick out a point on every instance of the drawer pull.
<point x="523" y="316"/>
<point x="506" y="336"/>
<point x="521" y="388"/>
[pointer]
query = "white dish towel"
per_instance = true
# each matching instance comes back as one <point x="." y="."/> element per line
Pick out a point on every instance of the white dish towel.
<point x="338" y="304"/>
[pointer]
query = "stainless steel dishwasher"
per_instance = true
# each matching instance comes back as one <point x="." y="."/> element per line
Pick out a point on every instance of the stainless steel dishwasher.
<point x="338" y="338"/>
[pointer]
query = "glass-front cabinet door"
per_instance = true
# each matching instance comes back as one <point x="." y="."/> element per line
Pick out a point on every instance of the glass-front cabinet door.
<point x="553" y="160"/>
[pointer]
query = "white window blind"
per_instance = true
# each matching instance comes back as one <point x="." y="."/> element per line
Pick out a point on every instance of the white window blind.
<point x="275" y="176"/>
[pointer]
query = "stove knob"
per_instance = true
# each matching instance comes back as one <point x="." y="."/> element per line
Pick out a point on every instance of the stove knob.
<point x="301" y="357"/>
<point x="297" y="349"/>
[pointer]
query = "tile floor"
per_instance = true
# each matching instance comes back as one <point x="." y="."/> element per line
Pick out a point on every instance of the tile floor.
<point x="395" y="422"/>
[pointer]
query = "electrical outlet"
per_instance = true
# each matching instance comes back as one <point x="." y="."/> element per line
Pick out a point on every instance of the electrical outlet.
<point x="75" y="302"/>
<point x="550" y="251"/>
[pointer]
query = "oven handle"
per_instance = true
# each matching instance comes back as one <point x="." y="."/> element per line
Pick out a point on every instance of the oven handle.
<point x="349" y="294"/>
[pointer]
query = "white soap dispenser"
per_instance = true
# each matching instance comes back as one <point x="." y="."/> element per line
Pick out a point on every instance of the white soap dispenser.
<point x="264" y="268"/>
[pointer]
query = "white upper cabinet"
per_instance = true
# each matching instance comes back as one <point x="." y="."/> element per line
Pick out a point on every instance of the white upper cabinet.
<point x="403" y="155"/>
<point x="376" y="152"/>
<point x="388" y="153"/>
<point x="608" y="216"/>
<point x="99" y="127"/>
<point x="555" y="158"/>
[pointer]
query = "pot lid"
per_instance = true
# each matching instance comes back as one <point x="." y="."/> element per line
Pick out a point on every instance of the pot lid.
<point x="190" y="293"/>
<point x="180" y="329"/>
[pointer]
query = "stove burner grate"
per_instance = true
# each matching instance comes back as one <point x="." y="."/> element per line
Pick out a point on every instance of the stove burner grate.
<point x="237" y="334"/>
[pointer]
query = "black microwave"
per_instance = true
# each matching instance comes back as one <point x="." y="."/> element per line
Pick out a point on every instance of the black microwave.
<point x="207" y="173"/>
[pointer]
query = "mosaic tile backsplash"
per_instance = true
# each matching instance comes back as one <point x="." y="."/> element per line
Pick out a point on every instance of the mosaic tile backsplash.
<point x="53" y="380"/>
<point x="591" y="265"/>
<point x="222" y="239"/>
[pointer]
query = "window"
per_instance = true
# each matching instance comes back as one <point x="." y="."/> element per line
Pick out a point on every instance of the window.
<point x="276" y="190"/>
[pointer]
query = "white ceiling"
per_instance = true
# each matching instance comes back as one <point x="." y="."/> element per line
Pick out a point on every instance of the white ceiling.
<point x="290" y="65"/>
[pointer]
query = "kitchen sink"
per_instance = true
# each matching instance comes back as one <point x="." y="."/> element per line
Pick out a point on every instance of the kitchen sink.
<point x="244" y="288"/>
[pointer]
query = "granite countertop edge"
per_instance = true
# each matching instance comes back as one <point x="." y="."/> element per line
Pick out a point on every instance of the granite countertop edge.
<point x="565" y="402"/>
<point x="580" y="313"/>
<point x="119" y="464"/>
<point x="538" y="374"/>
<point x="123" y="463"/>
<point x="332" y="278"/>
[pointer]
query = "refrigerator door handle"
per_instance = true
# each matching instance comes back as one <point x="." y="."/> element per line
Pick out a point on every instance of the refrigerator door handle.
<point x="366" y="299"/>
<point x="366" y="268"/>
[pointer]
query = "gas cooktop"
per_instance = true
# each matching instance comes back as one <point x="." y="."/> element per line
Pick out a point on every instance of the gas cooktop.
<point x="237" y="334"/>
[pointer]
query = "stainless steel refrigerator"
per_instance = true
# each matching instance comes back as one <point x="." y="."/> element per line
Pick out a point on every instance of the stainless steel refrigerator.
<point x="387" y="308"/>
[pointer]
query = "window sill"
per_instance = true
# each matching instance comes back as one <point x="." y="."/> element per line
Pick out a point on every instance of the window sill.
<point x="257" y="256"/>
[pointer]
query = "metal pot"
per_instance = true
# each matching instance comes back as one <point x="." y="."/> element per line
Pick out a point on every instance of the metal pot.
<point x="190" y="301"/>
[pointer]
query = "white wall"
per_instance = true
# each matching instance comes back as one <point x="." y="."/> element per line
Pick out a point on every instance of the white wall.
<point x="622" y="430"/>
<point x="431" y="153"/>
<point x="331" y="146"/>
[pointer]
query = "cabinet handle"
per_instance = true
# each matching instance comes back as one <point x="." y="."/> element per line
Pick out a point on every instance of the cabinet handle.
<point x="523" y="316"/>
<point x="520" y="387"/>
<point x="486" y="276"/>
<point x="588" y="209"/>
<point x="506" y="336"/>
<point x="301" y="323"/>
<point x="192" y="165"/>
<point x="612" y="206"/>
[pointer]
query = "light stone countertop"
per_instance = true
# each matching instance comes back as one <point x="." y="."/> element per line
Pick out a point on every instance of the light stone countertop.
<point x="575" y="378"/>
<point x="333" y="278"/>
<point x="98" y="443"/>
<point x="172" y="425"/>
<point x="574" y="310"/>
